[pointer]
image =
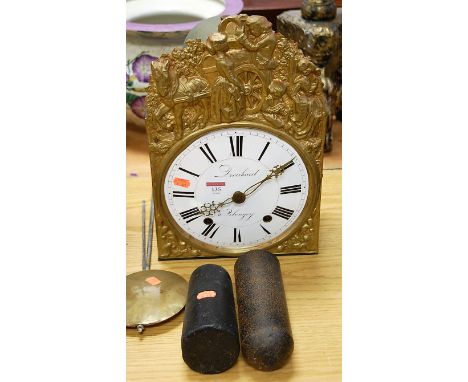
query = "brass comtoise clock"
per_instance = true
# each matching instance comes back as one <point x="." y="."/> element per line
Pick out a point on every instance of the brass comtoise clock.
<point x="236" y="127"/>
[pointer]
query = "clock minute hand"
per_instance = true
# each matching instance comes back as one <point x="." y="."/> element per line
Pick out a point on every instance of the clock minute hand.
<point x="274" y="172"/>
<point x="280" y="169"/>
<point x="246" y="192"/>
<point x="255" y="186"/>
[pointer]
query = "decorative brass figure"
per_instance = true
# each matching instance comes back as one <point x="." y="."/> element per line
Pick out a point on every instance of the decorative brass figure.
<point x="319" y="9"/>
<point x="317" y="32"/>
<point x="247" y="76"/>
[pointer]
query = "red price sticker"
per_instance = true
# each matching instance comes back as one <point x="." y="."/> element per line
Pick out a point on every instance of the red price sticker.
<point x="181" y="182"/>
<point x="206" y="294"/>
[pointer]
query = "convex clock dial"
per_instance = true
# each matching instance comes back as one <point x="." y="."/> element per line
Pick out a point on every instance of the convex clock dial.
<point x="236" y="187"/>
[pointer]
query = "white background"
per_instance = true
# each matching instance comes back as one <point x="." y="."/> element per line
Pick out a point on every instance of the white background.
<point x="62" y="158"/>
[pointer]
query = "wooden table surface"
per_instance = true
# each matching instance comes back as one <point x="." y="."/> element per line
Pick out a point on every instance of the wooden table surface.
<point x="312" y="284"/>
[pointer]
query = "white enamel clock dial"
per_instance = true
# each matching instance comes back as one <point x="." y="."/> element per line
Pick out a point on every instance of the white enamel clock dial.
<point x="236" y="187"/>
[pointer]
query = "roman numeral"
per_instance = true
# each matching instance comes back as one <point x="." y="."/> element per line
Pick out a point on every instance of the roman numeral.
<point x="289" y="165"/>
<point x="208" y="153"/>
<point x="183" y="194"/>
<point x="237" y="235"/>
<point x="268" y="232"/>
<point x="282" y="212"/>
<point x="188" y="172"/>
<point x="264" y="149"/>
<point x="193" y="213"/>
<point x="291" y="189"/>
<point x="209" y="229"/>
<point x="237" y="151"/>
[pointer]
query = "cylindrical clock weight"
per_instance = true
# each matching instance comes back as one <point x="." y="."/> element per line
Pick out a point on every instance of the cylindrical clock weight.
<point x="265" y="331"/>
<point x="210" y="338"/>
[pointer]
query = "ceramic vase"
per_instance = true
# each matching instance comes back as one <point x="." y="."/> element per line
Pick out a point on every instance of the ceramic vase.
<point x="155" y="27"/>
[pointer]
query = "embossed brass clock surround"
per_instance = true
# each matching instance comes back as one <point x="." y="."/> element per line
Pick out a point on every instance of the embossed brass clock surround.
<point x="311" y="204"/>
<point x="245" y="76"/>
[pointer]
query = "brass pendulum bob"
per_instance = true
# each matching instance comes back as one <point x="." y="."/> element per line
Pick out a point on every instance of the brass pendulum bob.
<point x="153" y="296"/>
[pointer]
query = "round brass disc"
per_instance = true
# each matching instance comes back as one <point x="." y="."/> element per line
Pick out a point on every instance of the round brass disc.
<point x="154" y="296"/>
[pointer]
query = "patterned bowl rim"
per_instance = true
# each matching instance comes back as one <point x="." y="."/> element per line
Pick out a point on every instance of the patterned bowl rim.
<point x="232" y="7"/>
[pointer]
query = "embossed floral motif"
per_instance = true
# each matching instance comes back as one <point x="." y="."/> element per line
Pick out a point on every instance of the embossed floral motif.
<point x="138" y="106"/>
<point x="301" y="241"/>
<point x="172" y="247"/>
<point x="141" y="67"/>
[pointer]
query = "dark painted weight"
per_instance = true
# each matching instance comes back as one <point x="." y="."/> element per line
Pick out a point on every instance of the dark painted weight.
<point x="265" y="331"/>
<point x="210" y="338"/>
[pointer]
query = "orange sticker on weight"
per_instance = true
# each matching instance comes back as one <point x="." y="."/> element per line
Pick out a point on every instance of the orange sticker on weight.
<point x="206" y="294"/>
<point x="181" y="182"/>
<point x="153" y="280"/>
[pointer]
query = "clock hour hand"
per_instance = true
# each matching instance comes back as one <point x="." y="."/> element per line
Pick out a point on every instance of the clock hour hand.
<point x="209" y="209"/>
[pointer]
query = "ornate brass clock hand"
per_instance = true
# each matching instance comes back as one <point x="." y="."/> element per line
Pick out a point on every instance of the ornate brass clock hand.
<point x="274" y="172"/>
<point x="239" y="197"/>
<point x="209" y="209"/>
